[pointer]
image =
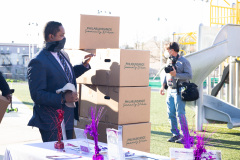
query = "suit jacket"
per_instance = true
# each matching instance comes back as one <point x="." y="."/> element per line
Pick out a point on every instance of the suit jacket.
<point x="45" y="76"/>
<point x="4" y="87"/>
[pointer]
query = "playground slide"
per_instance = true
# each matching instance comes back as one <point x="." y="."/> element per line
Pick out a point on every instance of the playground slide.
<point x="218" y="110"/>
<point x="217" y="88"/>
<point x="205" y="61"/>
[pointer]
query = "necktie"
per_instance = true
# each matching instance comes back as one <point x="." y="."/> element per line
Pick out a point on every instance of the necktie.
<point x="65" y="66"/>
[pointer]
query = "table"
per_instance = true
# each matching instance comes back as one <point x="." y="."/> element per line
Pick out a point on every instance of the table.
<point x="46" y="151"/>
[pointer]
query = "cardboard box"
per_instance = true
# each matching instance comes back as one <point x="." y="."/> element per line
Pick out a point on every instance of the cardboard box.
<point x="134" y="136"/>
<point x="3" y="106"/>
<point x="123" y="105"/>
<point x="87" y="99"/>
<point x="76" y="58"/>
<point x="121" y="67"/>
<point x="99" y="32"/>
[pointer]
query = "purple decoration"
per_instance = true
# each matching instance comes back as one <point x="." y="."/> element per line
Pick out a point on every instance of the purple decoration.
<point x="200" y="147"/>
<point x="92" y="129"/>
<point x="187" y="140"/>
<point x="201" y="140"/>
<point x="98" y="157"/>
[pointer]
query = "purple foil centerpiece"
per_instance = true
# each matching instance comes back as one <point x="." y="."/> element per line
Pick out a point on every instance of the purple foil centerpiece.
<point x="200" y="151"/>
<point x="92" y="129"/>
<point x="199" y="148"/>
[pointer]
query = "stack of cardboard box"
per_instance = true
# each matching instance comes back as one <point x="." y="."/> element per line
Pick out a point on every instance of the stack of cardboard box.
<point x="3" y="106"/>
<point x="118" y="80"/>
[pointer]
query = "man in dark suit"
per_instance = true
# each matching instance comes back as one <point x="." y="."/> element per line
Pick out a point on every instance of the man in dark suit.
<point x="4" y="87"/>
<point x="49" y="71"/>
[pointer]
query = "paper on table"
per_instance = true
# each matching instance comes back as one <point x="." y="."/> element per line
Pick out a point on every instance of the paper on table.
<point x="187" y="154"/>
<point x="81" y="135"/>
<point x="70" y="156"/>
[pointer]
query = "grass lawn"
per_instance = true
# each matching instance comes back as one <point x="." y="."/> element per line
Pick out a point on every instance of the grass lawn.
<point x="22" y="92"/>
<point x="224" y="139"/>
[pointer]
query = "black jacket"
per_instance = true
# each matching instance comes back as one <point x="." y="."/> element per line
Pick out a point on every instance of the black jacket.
<point x="4" y="87"/>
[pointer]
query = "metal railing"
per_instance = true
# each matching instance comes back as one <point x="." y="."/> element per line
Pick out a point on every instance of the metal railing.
<point x="222" y="15"/>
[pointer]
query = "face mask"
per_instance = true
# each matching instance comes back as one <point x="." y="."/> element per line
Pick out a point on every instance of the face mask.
<point x="55" y="46"/>
<point x="166" y="54"/>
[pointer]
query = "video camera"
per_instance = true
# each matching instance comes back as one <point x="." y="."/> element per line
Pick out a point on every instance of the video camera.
<point x="169" y="68"/>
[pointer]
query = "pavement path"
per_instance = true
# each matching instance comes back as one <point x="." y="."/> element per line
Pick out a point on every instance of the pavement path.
<point x="14" y="129"/>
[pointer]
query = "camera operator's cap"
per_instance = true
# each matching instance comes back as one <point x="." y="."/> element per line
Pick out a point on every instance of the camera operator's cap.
<point x="68" y="87"/>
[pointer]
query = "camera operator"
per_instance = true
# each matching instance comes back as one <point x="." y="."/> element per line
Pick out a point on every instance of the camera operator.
<point x="178" y="70"/>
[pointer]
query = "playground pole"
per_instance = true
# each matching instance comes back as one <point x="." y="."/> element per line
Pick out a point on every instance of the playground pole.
<point x="199" y="102"/>
<point x="222" y="90"/>
<point x="209" y="84"/>
<point x="219" y="79"/>
<point x="237" y="86"/>
<point x="199" y="110"/>
<point x="231" y="71"/>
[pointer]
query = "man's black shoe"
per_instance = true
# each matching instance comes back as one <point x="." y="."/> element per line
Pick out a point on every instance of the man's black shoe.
<point x="183" y="141"/>
<point x="174" y="138"/>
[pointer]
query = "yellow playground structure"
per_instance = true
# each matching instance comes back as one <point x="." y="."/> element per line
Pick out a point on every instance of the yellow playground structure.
<point x="189" y="38"/>
<point x="219" y="15"/>
<point x="227" y="14"/>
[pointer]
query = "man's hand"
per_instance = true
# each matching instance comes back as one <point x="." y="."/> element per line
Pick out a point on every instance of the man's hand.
<point x="9" y="97"/>
<point x="87" y="59"/>
<point x="162" y="91"/>
<point x="173" y="73"/>
<point x="71" y="96"/>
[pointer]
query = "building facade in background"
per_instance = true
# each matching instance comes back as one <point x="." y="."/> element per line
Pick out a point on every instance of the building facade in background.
<point x="14" y="59"/>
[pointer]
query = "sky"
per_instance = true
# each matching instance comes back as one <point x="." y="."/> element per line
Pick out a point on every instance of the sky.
<point x="139" y="19"/>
